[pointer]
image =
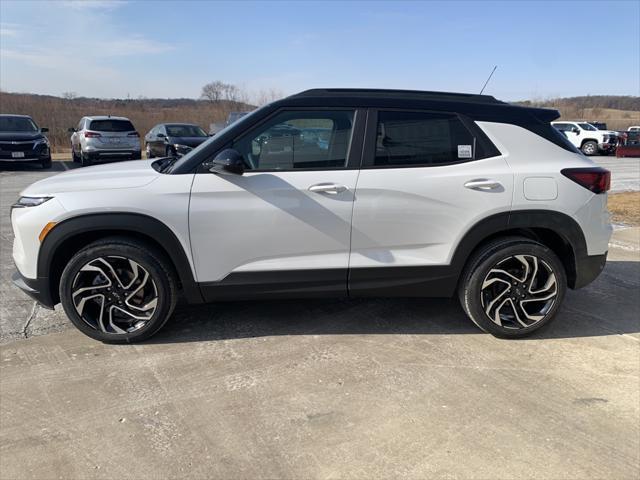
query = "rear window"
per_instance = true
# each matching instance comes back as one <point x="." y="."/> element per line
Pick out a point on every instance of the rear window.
<point x="185" y="131"/>
<point x="111" y="126"/>
<point x="423" y="139"/>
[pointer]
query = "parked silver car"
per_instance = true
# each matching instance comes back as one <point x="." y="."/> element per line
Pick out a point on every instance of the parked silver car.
<point x="104" y="137"/>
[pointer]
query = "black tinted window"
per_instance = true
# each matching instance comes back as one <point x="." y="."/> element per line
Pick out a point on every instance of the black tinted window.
<point x="185" y="131"/>
<point x="421" y="138"/>
<point x="295" y="140"/>
<point x="17" y="124"/>
<point x="111" y="126"/>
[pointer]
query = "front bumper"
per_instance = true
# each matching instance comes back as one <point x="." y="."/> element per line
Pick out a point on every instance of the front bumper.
<point x="587" y="269"/>
<point x="39" y="289"/>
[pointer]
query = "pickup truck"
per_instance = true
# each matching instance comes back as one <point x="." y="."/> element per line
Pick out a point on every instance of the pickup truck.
<point x="588" y="138"/>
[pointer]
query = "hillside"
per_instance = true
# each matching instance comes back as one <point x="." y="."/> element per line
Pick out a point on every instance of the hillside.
<point x="58" y="114"/>
<point x="618" y="112"/>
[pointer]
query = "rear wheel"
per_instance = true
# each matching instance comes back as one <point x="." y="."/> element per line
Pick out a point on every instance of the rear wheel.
<point x="148" y="151"/>
<point x="512" y="287"/>
<point x="118" y="290"/>
<point x="590" y="148"/>
<point x="85" y="161"/>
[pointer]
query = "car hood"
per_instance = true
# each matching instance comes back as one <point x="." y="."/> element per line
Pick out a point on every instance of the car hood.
<point x="136" y="173"/>
<point x="19" y="136"/>
<point x="188" y="141"/>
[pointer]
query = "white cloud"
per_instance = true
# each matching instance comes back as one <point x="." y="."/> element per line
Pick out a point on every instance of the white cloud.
<point x="93" y="4"/>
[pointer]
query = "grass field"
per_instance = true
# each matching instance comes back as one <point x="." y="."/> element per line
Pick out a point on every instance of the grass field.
<point x="625" y="207"/>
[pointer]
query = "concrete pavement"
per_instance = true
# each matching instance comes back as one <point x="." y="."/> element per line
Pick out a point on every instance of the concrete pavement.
<point x="336" y="389"/>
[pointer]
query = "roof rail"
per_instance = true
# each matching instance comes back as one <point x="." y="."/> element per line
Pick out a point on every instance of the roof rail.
<point x="372" y="92"/>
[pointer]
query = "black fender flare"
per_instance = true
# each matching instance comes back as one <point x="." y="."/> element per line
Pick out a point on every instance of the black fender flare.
<point x="120" y="223"/>
<point x="559" y="223"/>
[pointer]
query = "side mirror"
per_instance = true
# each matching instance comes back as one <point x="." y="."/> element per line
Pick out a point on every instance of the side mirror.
<point x="576" y="130"/>
<point x="227" y="162"/>
<point x="44" y="130"/>
<point x="71" y="130"/>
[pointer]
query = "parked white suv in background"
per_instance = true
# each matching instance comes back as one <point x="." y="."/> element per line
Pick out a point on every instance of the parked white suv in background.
<point x="326" y="193"/>
<point x="104" y="137"/>
<point x="588" y="138"/>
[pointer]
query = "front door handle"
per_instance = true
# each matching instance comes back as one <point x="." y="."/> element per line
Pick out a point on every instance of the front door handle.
<point x="483" y="184"/>
<point x="330" y="188"/>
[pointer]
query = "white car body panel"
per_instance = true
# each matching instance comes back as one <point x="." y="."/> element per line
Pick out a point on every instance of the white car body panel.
<point x="269" y="221"/>
<point x="129" y="187"/>
<point x="530" y="156"/>
<point x="416" y="216"/>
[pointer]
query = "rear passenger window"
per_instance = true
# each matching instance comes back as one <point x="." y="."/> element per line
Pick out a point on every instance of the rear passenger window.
<point x="423" y="139"/>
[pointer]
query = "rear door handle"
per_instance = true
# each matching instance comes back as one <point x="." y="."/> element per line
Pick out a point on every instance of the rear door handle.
<point x="330" y="188"/>
<point x="483" y="184"/>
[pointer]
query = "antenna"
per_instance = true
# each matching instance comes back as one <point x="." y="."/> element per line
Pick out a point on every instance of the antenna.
<point x="490" y="75"/>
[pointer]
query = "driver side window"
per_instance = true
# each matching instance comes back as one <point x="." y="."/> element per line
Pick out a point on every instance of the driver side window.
<point x="294" y="140"/>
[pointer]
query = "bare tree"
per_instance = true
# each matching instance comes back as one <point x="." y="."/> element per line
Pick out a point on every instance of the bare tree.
<point x="69" y="95"/>
<point x="269" y="95"/>
<point x="213" y="91"/>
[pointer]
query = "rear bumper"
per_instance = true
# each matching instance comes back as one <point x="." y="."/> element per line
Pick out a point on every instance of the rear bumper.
<point x="97" y="154"/>
<point x="588" y="268"/>
<point x="38" y="289"/>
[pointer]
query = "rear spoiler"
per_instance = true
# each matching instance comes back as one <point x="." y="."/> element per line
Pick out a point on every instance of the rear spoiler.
<point x="545" y="115"/>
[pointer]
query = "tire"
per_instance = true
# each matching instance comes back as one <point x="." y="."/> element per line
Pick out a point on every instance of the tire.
<point x="497" y="308"/>
<point x="589" y="148"/>
<point x="46" y="163"/>
<point x="85" y="161"/>
<point x="74" y="157"/>
<point x="112" y="272"/>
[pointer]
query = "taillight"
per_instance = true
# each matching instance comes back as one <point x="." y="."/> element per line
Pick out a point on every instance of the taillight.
<point x="133" y="134"/>
<point x="91" y="134"/>
<point x="596" y="179"/>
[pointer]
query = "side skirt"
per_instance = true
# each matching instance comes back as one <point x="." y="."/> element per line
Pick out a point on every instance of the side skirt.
<point x="432" y="281"/>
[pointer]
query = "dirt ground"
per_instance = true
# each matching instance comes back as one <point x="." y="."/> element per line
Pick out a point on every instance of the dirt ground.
<point x="625" y="207"/>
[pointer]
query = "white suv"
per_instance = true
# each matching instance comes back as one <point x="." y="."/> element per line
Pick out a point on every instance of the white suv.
<point x="326" y="193"/>
<point x="104" y="137"/>
<point x="588" y="138"/>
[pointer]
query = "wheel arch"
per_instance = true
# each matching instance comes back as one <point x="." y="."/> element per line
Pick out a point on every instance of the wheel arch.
<point x="588" y="140"/>
<point x="69" y="236"/>
<point x="556" y="230"/>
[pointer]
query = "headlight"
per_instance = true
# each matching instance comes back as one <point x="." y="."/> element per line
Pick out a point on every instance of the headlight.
<point x="26" y="202"/>
<point x="41" y="141"/>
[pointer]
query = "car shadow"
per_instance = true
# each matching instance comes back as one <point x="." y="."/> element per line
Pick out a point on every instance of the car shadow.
<point x="609" y="306"/>
<point x="57" y="166"/>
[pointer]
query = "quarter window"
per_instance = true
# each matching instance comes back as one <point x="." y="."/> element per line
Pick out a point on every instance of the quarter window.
<point x="294" y="140"/>
<point x="422" y="138"/>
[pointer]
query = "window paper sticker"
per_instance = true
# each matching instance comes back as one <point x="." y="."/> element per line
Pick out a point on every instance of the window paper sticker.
<point x="465" y="151"/>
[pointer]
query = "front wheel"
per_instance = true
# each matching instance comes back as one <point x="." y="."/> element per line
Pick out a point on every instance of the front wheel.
<point x="512" y="287"/>
<point x="46" y="163"/>
<point x="118" y="290"/>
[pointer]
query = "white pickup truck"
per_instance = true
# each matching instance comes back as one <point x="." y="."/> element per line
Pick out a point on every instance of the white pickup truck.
<point x="588" y="138"/>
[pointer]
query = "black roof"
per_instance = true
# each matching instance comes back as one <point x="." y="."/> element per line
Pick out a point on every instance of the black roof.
<point x="477" y="107"/>
<point x="398" y="94"/>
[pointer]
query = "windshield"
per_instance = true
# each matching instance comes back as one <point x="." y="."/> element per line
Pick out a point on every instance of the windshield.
<point x="185" y="131"/>
<point x="111" y="126"/>
<point x="587" y="126"/>
<point x="206" y="143"/>
<point x="17" y="124"/>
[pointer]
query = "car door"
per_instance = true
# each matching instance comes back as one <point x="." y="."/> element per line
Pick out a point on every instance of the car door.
<point x="426" y="179"/>
<point x="573" y="133"/>
<point x="284" y="226"/>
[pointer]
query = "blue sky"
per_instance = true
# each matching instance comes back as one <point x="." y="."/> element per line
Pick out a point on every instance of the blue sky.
<point x="116" y="49"/>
